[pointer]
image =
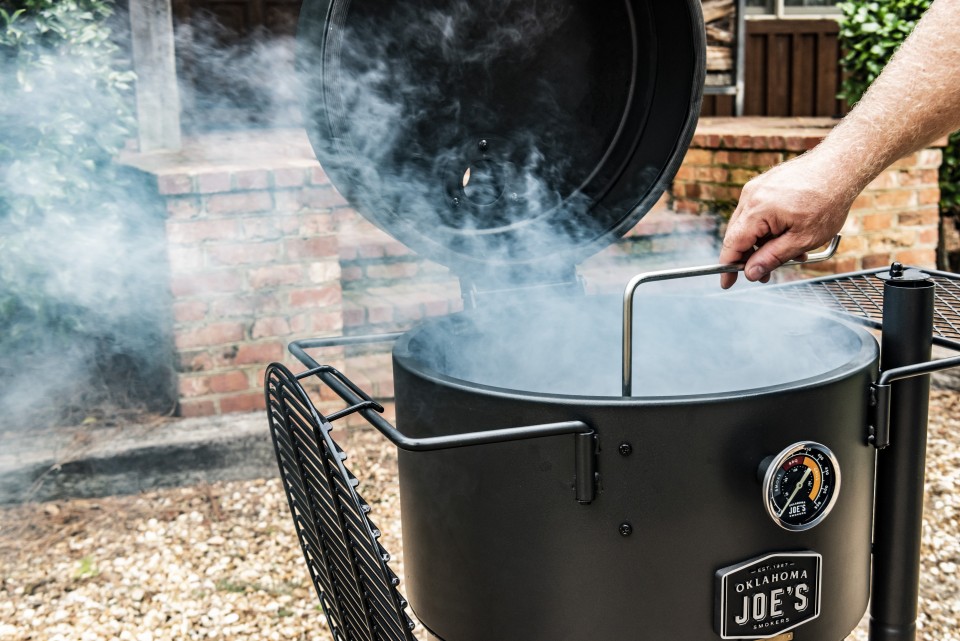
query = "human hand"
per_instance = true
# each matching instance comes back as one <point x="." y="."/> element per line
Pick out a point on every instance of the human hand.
<point x="793" y="208"/>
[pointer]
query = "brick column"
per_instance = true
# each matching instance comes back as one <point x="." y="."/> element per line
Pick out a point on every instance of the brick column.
<point x="254" y="262"/>
<point x="896" y="217"/>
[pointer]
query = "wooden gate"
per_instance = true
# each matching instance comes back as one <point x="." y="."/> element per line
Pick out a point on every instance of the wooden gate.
<point x="791" y="69"/>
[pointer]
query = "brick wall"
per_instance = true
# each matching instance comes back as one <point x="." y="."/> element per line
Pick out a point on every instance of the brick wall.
<point x="896" y="217"/>
<point x="263" y="251"/>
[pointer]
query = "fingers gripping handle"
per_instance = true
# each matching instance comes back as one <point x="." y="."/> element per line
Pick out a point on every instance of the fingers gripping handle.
<point x="686" y="272"/>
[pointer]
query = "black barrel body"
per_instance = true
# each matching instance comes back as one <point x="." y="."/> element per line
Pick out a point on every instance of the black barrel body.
<point x="497" y="547"/>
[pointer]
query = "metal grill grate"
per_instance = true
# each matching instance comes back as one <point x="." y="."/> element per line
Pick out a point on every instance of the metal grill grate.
<point x="348" y="567"/>
<point x="861" y="295"/>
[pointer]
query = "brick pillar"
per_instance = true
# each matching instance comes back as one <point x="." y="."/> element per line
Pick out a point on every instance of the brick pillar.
<point x="895" y="218"/>
<point x="254" y="261"/>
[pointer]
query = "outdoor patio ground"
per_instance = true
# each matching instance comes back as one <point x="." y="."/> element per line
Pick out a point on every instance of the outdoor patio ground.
<point x="220" y="561"/>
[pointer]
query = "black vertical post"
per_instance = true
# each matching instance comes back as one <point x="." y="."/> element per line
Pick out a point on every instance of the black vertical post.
<point x="907" y="338"/>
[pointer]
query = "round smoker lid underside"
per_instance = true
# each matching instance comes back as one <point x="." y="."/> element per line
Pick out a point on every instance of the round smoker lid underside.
<point x="502" y="134"/>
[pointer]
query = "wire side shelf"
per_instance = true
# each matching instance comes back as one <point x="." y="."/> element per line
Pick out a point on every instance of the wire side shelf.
<point x="860" y="295"/>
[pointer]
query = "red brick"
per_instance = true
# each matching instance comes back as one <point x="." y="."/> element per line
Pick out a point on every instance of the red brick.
<point x="275" y="276"/>
<point x="248" y="402"/>
<point x="193" y="408"/>
<point x="189" y="311"/>
<point x="351" y="274"/>
<point x="183" y="208"/>
<point x="910" y="160"/>
<point x="321" y="198"/>
<point x="193" y="386"/>
<point x="208" y="335"/>
<point x="873" y="222"/>
<point x="325" y="322"/>
<point x="841" y="265"/>
<point x="308" y="248"/>
<point x="187" y="232"/>
<point x="874" y="261"/>
<point x="931" y="158"/>
<point x="886" y="180"/>
<point x="686" y="172"/>
<point x="266" y="227"/>
<point x="863" y="201"/>
<point x="198" y="361"/>
<point x="353" y="316"/>
<point x="898" y="198"/>
<point x="212" y="282"/>
<point x="927" y="216"/>
<point x="244" y="253"/>
<point x="318" y="297"/>
<point x="371" y="250"/>
<point x="235" y="381"/>
<point x="698" y="157"/>
<point x="436" y="308"/>
<point x="393" y="271"/>
<point x="253" y="353"/>
<point x="917" y="257"/>
<point x="270" y="327"/>
<point x="172" y="184"/>
<point x="379" y="314"/>
<point x="653" y="227"/>
<point x="240" y="203"/>
<point x="315" y="224"/>
<point x="248" y="305"/>
<point x="928" y="196"/>
<point x="249" y="179"/>
<point x="687" y="206"/>
<point x="396" y="249"/>
<point x="289" y="177"/>
<point x="287" y="201"/>
<point x="929" y="236"/>
<point x="743" y="176"/>
<point x="213" y="183"/>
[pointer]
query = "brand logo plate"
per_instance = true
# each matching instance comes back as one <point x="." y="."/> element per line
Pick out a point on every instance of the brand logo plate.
<point x="768" y="595"/>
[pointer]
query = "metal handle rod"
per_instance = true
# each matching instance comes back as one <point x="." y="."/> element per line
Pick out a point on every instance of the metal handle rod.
<point x="686" y="272"/>
<point x="585" y="437"/>
<point x="349" y="393"/>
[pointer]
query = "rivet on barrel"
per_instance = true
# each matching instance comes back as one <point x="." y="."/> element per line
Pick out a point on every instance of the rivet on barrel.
<point x="626" y="529"/>
<point x="625" y="449"/>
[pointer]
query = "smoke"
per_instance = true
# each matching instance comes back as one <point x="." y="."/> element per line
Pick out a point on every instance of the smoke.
<point x="471" y="131"/>
<point x="229" y="82"/>
<point x="83" y="312"/>
<point x="467" y="129"/>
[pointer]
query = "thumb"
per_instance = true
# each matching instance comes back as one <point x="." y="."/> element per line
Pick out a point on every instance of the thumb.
<point x="771" y="255"/>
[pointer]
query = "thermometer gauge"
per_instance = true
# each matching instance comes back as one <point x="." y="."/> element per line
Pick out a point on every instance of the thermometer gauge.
<point x="801" y="485"/>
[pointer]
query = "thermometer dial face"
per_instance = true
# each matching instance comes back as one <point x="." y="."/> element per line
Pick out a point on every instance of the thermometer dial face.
<point x="801" y="486"/>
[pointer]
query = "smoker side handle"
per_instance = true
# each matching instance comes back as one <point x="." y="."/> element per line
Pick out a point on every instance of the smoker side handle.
<point x="881" y="394"/>
<point x="359" y="402"/>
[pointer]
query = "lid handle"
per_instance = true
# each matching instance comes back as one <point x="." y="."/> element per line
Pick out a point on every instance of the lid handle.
<point x="687" y="272"/>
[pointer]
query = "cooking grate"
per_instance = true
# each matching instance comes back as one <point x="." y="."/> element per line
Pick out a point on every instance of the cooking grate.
<point x="348" y="567"/>
<point x="860" y="295"/>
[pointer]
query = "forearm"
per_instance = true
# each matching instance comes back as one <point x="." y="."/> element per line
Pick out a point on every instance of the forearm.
<point x="915" y="101"/>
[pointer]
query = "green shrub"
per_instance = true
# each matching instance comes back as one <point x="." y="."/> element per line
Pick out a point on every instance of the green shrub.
<point x="72" y="225"/>
<point x="870" y="32"/>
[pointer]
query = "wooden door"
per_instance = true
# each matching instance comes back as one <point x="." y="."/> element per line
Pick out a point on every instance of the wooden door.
<point x="792" y="68"/>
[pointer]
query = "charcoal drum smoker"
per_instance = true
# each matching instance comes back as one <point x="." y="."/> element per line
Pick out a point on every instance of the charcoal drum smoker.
<point x="659" y="466"/>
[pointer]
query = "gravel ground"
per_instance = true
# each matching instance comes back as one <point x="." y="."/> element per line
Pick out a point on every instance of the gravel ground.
<point x="222" y="561"/>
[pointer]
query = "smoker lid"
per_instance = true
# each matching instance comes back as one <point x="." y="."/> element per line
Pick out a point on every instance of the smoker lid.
<point x="502" y="134"/>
